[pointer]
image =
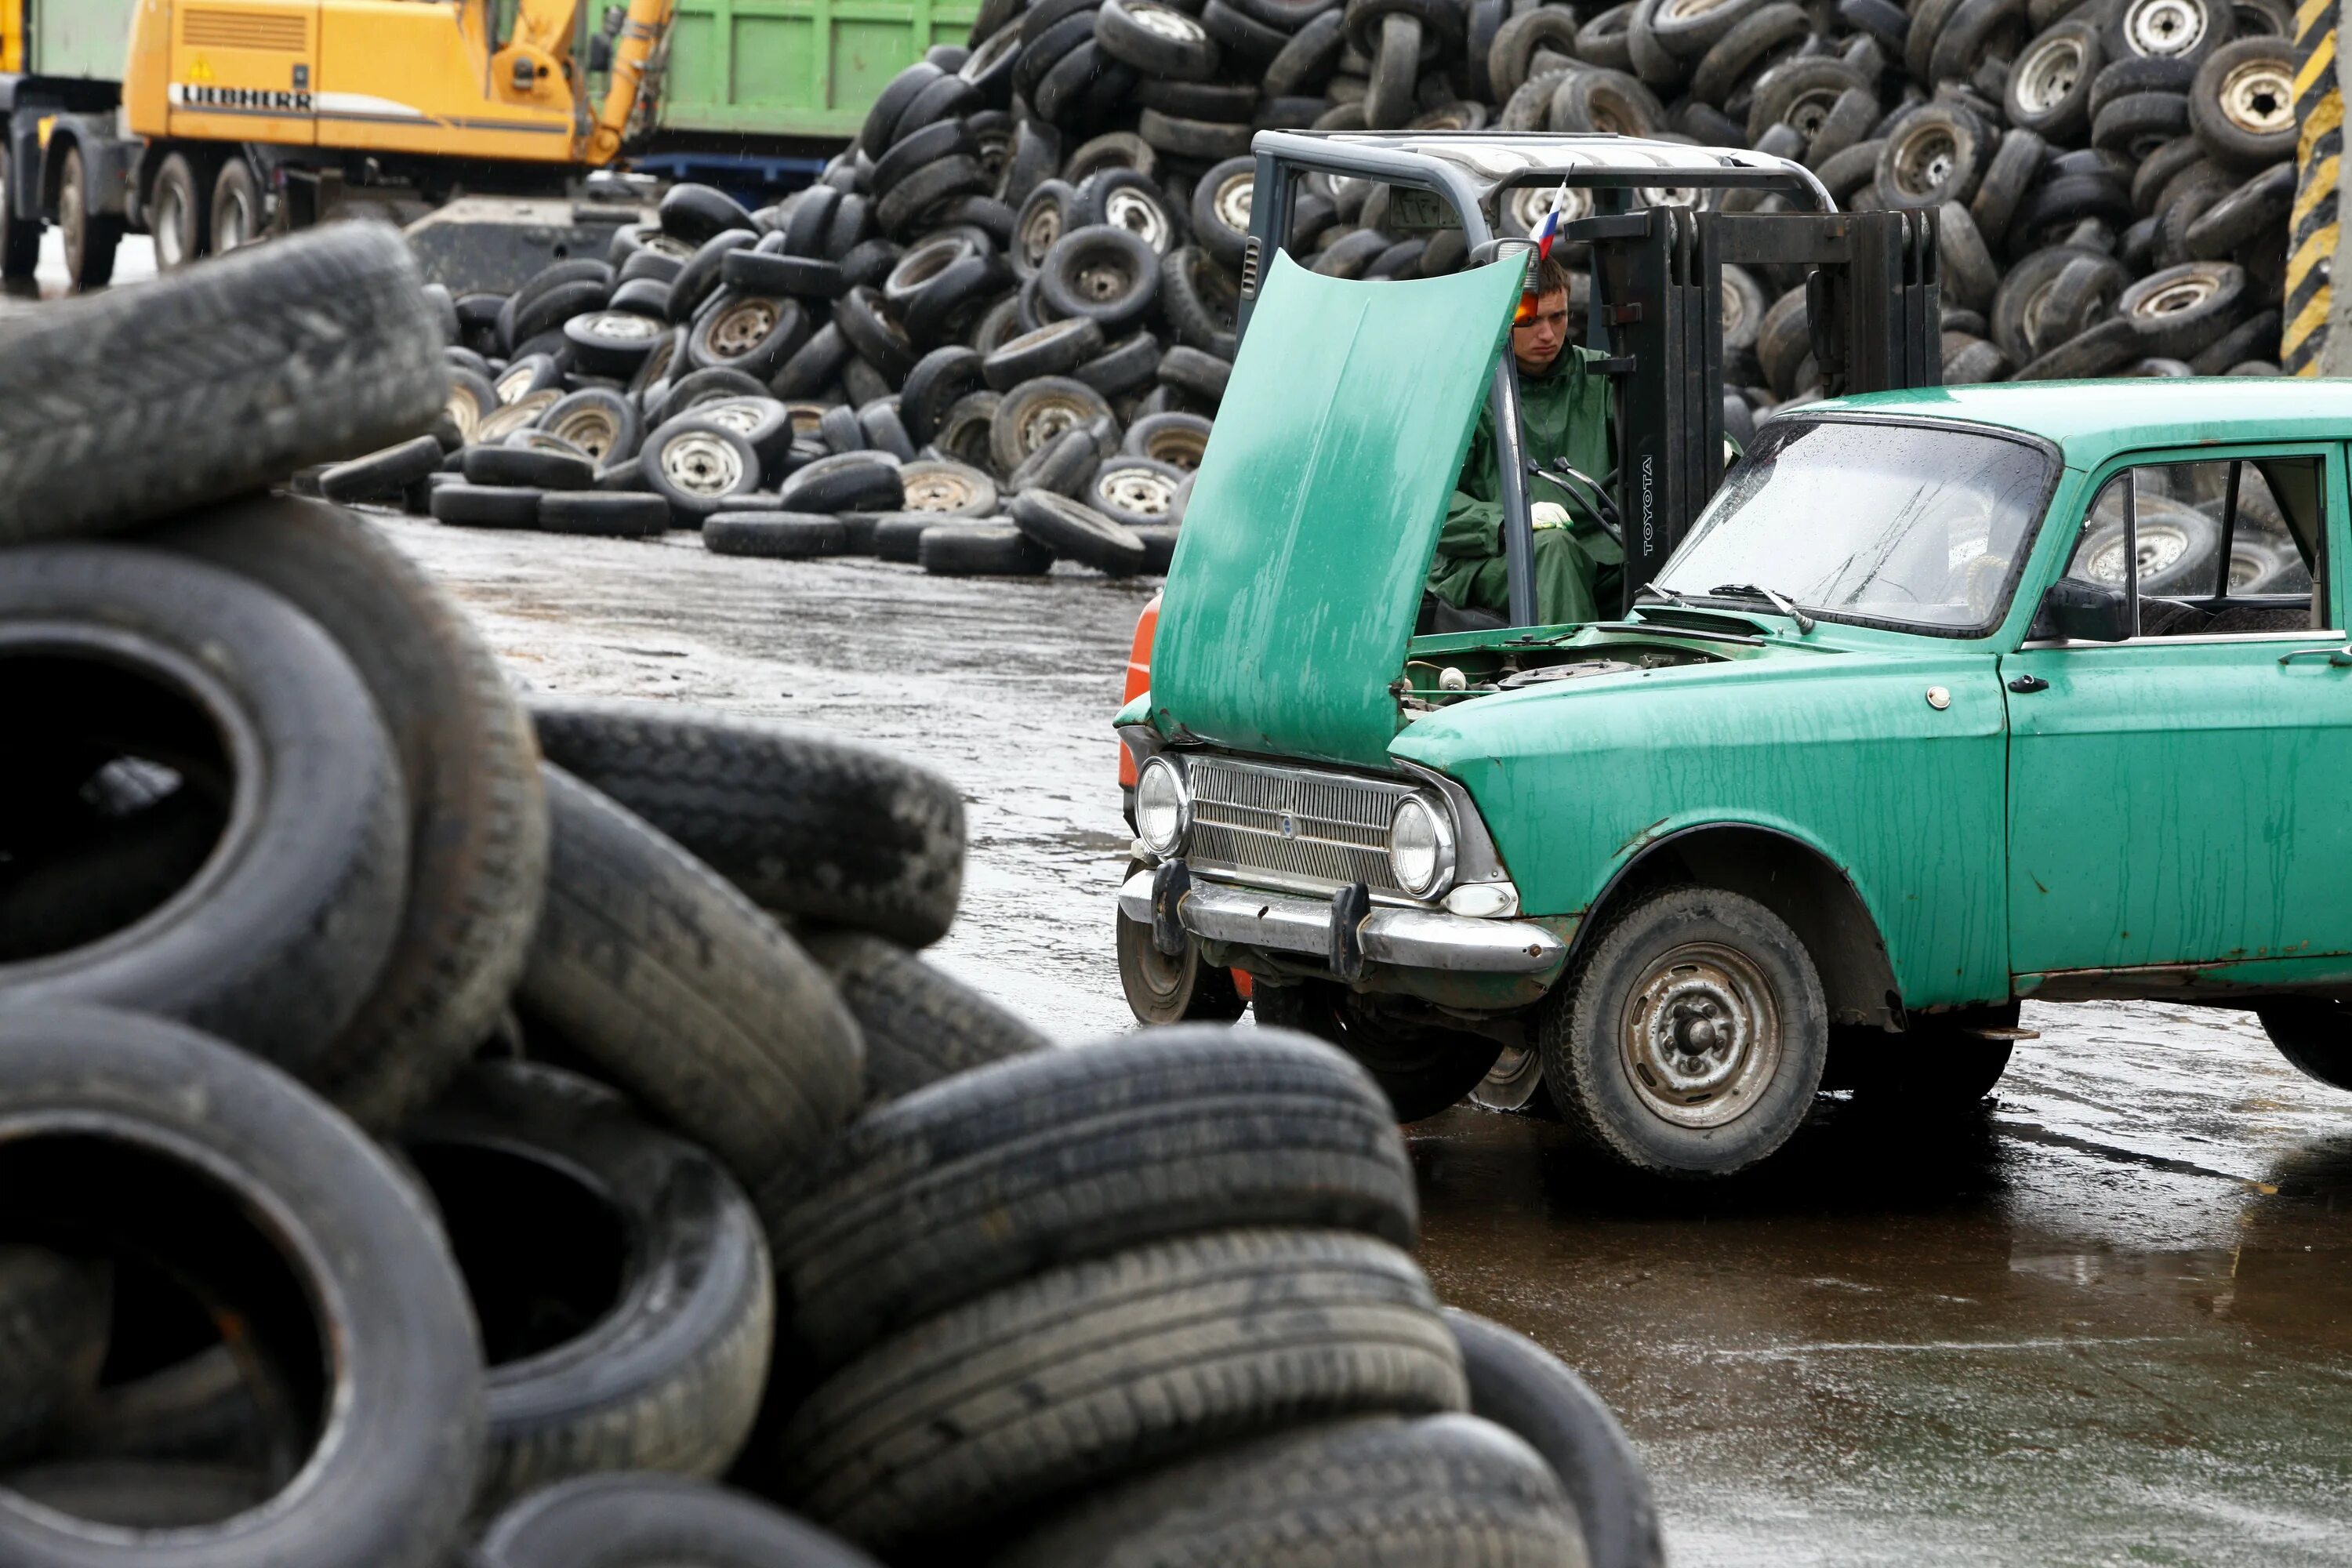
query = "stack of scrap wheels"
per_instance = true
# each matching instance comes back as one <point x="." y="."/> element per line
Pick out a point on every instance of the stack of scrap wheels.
<point x="437" y="1126"/>
<point x="994" y="333"/>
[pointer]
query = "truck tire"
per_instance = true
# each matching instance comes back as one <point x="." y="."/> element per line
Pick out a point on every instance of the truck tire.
<point x="655" y="1521"/>
<point x="164" y="1141"/>
<point x="806" y="825"/>
<point x="637" y="1340"/>
<point x="1093" y="1369"/>
<point x="969" y="1185"/>
<point x="1711" y="1098"/>
<point x="1450" y="1490"/>
<point x="122" y="408"/>
<point x="20" y="237"/>
<point x="718" y="1023"/>
<point x="1526" y="1390"/>
<point x="477" y="838"/>
<point x="1422" y="1071"/>
<point x="90" y="236"/>
<point x="180" y="212"/>
<point x="286" y="929"/>
<point x="239" y="213"/>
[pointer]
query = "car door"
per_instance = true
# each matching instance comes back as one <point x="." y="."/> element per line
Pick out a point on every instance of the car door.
<point x="2175" y="797"/>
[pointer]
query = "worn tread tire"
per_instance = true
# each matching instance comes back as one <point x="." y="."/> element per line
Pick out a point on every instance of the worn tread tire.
<point x="1095" y="1368"/>
<point x="638" y="1521"/>
<point x="974" y="1183"/>
<point x="921" y="1024"/>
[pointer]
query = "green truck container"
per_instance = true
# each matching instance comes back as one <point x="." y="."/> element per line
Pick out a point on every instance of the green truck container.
<point x="796" y="68"/>
<point x="81" y="38"/>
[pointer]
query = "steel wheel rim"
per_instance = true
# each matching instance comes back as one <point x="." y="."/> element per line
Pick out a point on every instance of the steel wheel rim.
<point x="69" y="217"/>
<point x="2047" y="74"/>
<point x="1048" y="423"/>
<point x="1138" y="490"/>
<point x="592" y="430"/>
<point x="2246" y="567"/>
<point x="742" y="328"/>
<point x="2258" y="98"/>
<point x="464" y="412"/>
<point x="1180" y="447"/>
<point x="515" y="384"/>
<point x="702" y="465"/>
<point x="1925" y="162"/>
<point x="1038" y="234"/>
<point x="1512" y="1081"/>
<point x="1140" y="216"/>
<point x="505" y="421"/>
<point x="2164" y="28"/>
<point x="740" y="417"/>
<point x="622" y="327"/>
<point x="939" y="492"/>
<point x="2184" y="294"/>
<point x="1699" y="1037"/>
<point x="1232" y="201"/>
<point x="171" y="213"/>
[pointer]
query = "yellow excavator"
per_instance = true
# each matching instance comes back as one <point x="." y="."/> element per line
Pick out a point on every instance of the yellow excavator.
<point x="219" y="119"/>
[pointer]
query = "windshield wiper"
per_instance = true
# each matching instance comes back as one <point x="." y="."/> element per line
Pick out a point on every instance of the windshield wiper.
<point x="1654" y="591"/>
<point x="1751" y="590"/>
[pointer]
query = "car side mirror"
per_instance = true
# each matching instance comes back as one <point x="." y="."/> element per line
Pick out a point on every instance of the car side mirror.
<point x="2082" y="612"/>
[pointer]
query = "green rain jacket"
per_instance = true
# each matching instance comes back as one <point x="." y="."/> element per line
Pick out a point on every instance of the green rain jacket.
<point x="1564" y="413"/>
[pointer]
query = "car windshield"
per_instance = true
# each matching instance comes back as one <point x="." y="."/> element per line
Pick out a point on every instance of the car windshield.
<point x="1914" y="525"/>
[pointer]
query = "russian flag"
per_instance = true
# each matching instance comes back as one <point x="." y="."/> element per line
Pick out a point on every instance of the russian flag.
<point x="1546" y="231"/>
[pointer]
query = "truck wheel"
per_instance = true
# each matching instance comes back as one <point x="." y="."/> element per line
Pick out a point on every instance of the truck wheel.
<point x="238" y="211"/>
<point x="1164" y="990"/>
<point x="1422" y="1071"/>
<point x="179" y="212"/>
<point x="2311" y="1032"/>
<point x="1691" y="1037"/>
<point x="20" y="239"/>
<point x="91" y="238"/>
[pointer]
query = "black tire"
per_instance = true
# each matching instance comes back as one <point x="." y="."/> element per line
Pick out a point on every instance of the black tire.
<point x="1970" y="275"/>
<point x="884" y="431"/>
<point x="241" y="211"/>
<point x="950" y="549"/>
<point x="1139" y="492"/>
<point x="486" y="506"/>
<point x="1939" y="1065"/>
<point x="90" y="236"/>
<point x="2242" y="102"/>
<point x="1056" y="349"/>
<point x="53" y="1337"/>
<point x="2246" y="340"/>
<point x="528" y="467"/>
<point x="919" y="1025"/>
<point x="1033" y="416"/>
<point x="806" y="825"/>
<point x="696" y="214"/>
<point x="1934" y="154"/>
<point x="2101" y="350"/>
<point x="948" y="489"/>
<point x="940" y="139"/>
<point x="1201" y="300"/>
<point x="477" y="839"/>
<point x="637" y="1340"/>
<point x="2310" y="1032"/>
<point x="1076" y="530"/>
<point x="604" y="514"/>
<point x="759" y="271"/>
<point x="1759" y="36"/>
<point x="381" y="475"/>
<point x="699" y="466"/>
<point x="1092" y="1370"/>
<point x="2182" y="309"/>
<point x="882" y="117"/>
<point x="1177" y="440"/>
<point x="702" y="274"/>
<point x="20" y="237"/>
<point x="1422" y="1071"/>
<point x="1783" y="339"/>
<point x="2138" y="124"/>
<point x="2016" y="163"/>
<point x="873" y="335"/>
<point x="1304" y="62"/>
<point x="753" y="333"/>
<point x="899" y="213"/>
<point x="1450" y="1490"/>
<point x="167" y="1143"/>
<point x="179" y="210"/>
<point x="1129" y="199"/>
<point x="1220" y="206"/>
<point x="549" y="310"/>
<point x="287" y="930"/>
<point x="1156" y="38"/>
<point x="1164" y="990"/>
<point x="938" y="380"/>
<point x="776" y="535"/>
<point x="1198" y="375"/>
<point x="1718" y="1126"/>
<point x="604" y="424"/>
<point x="1065" y="468"/>
<point x="142" y="1494"/>
<point x="719" y="1022"/>
<point x="694" y="388"/>
<point x="845" y="481"/>
<point x="1107" y="274"/>
<point x="1526" y="1390"/>
<point x="2049" y="90"/>
<point x="122" y="408"/>
<point x="653" y="1521"/>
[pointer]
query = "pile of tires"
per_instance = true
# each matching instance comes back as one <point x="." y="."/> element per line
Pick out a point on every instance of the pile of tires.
<point x="441" y="1126"/>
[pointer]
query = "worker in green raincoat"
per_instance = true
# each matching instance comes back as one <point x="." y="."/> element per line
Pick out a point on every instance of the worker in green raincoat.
<point x="1564" y="412"/>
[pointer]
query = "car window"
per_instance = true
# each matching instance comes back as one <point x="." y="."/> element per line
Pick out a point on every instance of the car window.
<point x="2198" y="567"/>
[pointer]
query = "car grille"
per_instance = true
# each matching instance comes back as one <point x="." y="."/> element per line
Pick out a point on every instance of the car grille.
<point x="1290" y="827"/>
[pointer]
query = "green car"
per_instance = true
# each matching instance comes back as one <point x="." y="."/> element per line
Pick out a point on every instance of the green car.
<point x="1949" y="698"/>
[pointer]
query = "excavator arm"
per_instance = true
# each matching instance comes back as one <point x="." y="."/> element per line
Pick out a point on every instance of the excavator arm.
<point x="642" y="43"/>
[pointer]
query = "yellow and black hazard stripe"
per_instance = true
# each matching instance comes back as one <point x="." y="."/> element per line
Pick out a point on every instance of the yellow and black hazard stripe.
<point x="2319" y="148"/>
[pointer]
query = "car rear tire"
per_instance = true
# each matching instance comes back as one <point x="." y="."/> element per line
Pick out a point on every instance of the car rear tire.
<point x="2315" y="1033"/>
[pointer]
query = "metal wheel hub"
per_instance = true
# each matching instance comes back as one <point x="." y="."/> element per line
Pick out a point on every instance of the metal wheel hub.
<point x="1105" y="281"/>
<point x="1038" y="234"/>
<point x="1044" y="424"/>
<point x="464" y="413"/>
<point x="1168" y="24"/>
<point x="1182" y="448"/>
<point x="702" y="465"/>
<point x="514" y="383"/>
<point x="1529" y="204"/>
<point x="592" y="430"/>
<point x="938" y="493"/>
<point x="1140" y="216"/>
<point x="1232" y="201"/>
<point x="621" y="327"/>
<point x="170" y="214"/>
<point x="2165" y="27"/>
<point x="742" y="328"/>
<point x="1139" y="491"/>
<point x="1811" y="110"/>
<point x="2185" y="295"/>
<point x="2048" y="73"/>
<point x="1701" y="1035"/>
<point x="1925" y="162"/>
<point x="740" y="417"/>
<point x="2258" y="98"/>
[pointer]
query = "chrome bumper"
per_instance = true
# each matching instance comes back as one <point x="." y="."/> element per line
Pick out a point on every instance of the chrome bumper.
<point x="1410" y="939"/>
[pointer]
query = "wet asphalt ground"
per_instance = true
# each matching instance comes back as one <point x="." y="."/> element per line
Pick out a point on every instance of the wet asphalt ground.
<point x="2107" y="1318"/>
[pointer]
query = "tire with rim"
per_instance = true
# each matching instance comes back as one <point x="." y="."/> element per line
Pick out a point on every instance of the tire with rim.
<point x="1136" y="492"/>
<point x="604" y="424"/>
<point x="1054" y="348"/>
<point x="116" y="651"/>
<point x="2180" y="309"/>
<point x="644" y="1520"/>
<point x="1164" y="990"/>
<point x="1421" y="1070"/>
<point x="949" y="487"/>
<point x="720" y="1023"/>
<point x="156" y="1140"/>
<point x="1091" y="1369"/>
<point x="90" y="236"/>
<point x="1691" y="1036"/>
<point x="1526" y="1390"/>
<point x="1514" y="1083"/>
<point x="1078" y="532"/>
<point x="1934" y="154"/>
<point x="619" y="1275"/>
<point x="2242" y="103"/>
<point x="1177" y="440"/>
<point x="754" y="334"/>
<point x="699" y="466"/>
<point x="805" y="822"/>
<point x="604" y="514"/>
<point x="920" y="1024"/>
<point x="2315" y="1034"/>
<point x="1107" y="274"/>
<point x="93" y="433"/>
<point x="20" y="237"/>
<point x="2049" y="88"/>
<point x="775" y="535"/>
<point x="1036" y="414"/>
<point x="477" y="838"/>
<point x="1221" y="209"/>
<point x="240" y="213"/>
<point x="180" y="211"/>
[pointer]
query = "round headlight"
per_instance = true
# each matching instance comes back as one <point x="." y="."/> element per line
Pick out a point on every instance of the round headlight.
<point x="1161" y="810"/>
<point x="1420" y="848"/>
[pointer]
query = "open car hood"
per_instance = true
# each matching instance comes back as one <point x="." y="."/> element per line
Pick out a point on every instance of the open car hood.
<point x="1312" y="523"/>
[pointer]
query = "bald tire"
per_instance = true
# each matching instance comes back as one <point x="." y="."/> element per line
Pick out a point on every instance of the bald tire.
<point x="1094" y="1370"/>
<point x="1583" y="1058"/>
<point x="806" y="824"/>
<point x="978" y="1180"/>
<point x="680" y="992"/>
<point x="1527" y="1391"/>
<point x="53" y="1315"/>
<point x="1443" y="1491"/>
<point x="920" y="1025"/>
